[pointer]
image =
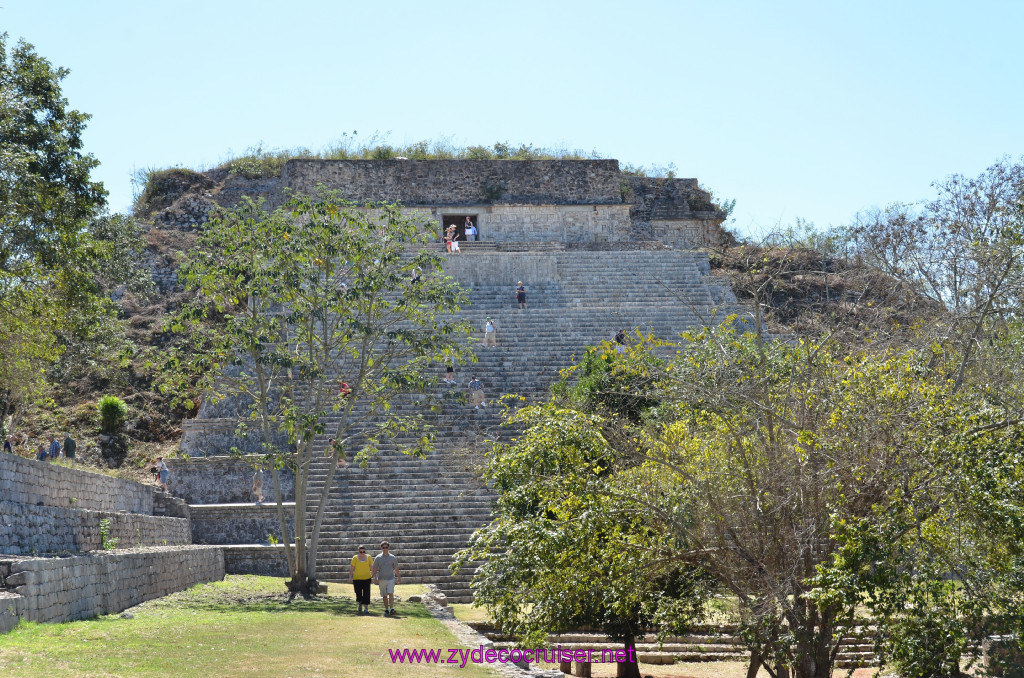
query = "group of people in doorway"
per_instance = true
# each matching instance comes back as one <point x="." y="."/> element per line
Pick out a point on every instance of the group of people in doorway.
<point x="382" y="570"/>
<point x="452" y="236"/>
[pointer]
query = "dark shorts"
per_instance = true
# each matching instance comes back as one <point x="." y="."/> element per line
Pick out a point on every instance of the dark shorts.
<point x="521" y="297"/>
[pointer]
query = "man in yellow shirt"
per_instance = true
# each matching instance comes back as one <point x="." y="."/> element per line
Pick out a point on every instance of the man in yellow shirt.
<point x="360" y="574"/>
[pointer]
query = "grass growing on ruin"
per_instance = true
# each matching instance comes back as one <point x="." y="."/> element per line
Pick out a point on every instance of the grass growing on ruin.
<point x="241" y="626"/>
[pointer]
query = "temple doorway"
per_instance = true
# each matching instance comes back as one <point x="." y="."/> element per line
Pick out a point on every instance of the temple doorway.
<point x="459" y="221"/>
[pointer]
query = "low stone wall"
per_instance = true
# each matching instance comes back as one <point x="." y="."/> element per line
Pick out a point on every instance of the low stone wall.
<point x="268" y="561"/>
<point x="84" y="586"/>
<point x="27" y="481"/>
<point x="221" y="480"/>
<point x="30" y="529"/>
<point x="238" y="523"/>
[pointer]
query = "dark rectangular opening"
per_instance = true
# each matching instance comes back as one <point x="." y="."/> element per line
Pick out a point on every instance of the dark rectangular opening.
<point x="459" y="221"/>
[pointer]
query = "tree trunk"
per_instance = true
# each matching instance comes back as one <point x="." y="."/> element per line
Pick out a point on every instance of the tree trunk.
<point x="755" y="664"/>
<point x="816" y="657"/>
<point x="286" y="537"/>
<point x="631" y="667"/>
<point x="321" y="510"/>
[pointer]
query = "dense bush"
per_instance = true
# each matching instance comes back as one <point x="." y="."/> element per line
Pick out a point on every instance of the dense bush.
<point x="113" y="413"/>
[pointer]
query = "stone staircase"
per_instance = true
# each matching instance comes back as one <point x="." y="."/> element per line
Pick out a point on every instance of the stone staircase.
<point x="428" y="508"/>
<point x="705" y="643"/>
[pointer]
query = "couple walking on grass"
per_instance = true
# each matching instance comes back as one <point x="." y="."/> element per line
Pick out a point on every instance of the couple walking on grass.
<point x="382" y="570"/>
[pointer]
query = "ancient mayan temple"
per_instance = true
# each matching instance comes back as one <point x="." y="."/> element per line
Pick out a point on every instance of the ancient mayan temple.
<point x="598" y="251"/>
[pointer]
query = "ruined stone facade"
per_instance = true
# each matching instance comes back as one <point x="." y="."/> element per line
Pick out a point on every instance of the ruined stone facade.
<point x="510" y="201"/>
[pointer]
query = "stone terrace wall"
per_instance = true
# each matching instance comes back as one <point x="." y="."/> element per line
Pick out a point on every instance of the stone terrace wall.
<point x="30" y="529"/>
<point x="80" y="587"/>
<point x="232" y="524"/>
<point x="221" y="480"/>
<point x="268" y="561"/>
<point x="27" y="481"/>
<point x="461" y="182"/>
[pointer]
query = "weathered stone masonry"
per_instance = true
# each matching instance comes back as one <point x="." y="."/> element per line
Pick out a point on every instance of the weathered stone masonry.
<point x="55" y="510"/>
<point x="104" y="582"/>
<point x="28" y="481"/>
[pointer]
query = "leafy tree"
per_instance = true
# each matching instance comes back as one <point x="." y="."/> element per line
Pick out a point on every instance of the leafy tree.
<point x="564" y="550"/>
<point x="60" y="256"/>
<point x="46" y="191"/>
<point x="777" y="447"/>
<point x="807" y="479"/>
<point x="293" y="302"/>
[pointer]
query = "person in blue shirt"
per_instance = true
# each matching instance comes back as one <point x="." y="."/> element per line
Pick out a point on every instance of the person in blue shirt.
<point x="54" y="448"/>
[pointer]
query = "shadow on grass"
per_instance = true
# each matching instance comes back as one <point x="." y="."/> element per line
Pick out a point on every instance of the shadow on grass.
<point x="284" y="603"/>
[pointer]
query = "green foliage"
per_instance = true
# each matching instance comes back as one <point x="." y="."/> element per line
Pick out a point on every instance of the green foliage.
<point x="60" y="255"/>
<point x="608" y="382"/>
<point x="566" y="548"/>
<point x="810" y="480"/>
<point x="258" y="162"/>
<point x="113" y="412"/>
<point x="156" y="188"/>
<point x="106" y="543"/>
<point x="290" y="301"/>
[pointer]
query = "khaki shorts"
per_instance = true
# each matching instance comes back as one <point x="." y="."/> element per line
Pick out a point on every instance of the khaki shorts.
<point x="387" y="587"/>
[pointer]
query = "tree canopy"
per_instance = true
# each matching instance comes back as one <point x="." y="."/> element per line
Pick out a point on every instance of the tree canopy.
<point x="60" y="255"/>
<point x="292" y="304"/>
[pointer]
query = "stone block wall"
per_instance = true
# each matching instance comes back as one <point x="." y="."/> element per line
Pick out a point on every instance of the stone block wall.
<point x="31" y="529"/>
<point x="551" y="223"/>
<point x="105" y="582"/>
<point x="685" y="234"/>
<point x="27" y="481"/>
<point x="268" y="561"/>
<point x="221" y="480"/>
<point x="232" y="524"/>
<point x="461" y="182"/>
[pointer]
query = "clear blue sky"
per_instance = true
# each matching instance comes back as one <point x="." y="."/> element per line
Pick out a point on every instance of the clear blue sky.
<point x="795" y="109"/>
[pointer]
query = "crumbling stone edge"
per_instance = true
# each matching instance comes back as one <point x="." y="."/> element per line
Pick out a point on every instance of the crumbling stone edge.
<point x="438" y="608"/>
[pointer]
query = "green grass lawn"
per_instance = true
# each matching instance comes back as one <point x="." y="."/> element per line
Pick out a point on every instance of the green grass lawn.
<point x="243" y="626"/>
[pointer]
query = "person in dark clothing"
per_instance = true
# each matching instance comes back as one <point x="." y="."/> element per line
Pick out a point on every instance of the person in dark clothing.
<point x="70" y="446"/>
<point x="521" y="295"/>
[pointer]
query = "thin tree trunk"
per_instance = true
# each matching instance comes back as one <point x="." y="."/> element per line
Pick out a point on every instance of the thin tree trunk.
<point x="755" y="664"/>
<point x="301" y="579"/>
<point x="321" y="510"/>
<point x="286" y="537"/>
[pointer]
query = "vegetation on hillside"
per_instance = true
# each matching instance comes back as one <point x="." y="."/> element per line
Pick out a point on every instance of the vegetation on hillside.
<point x="63" y="262"/>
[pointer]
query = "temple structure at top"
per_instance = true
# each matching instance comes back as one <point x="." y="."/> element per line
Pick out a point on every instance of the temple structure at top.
<point x="579" y="202"/>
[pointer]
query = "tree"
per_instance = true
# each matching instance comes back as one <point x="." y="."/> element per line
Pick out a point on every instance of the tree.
<point x="964" y="249"/>
<point x="778" y="448"/>
<point x="569" y="546"/>
<point x="807" y="479"/>
<point x="563" y="551"/>
<point x="294" y="302"/>
<point x="46" y="191"/>
<point x="60" y="257"/>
